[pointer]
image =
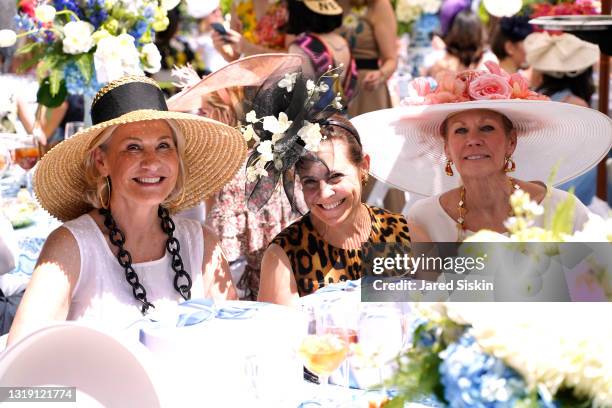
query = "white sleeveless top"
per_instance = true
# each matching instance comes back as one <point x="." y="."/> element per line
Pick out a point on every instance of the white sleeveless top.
<point x="441" y="227"/>
<point x="103" y="296"/>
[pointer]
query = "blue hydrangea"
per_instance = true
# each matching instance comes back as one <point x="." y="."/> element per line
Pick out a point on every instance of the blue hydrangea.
<point x="76" y="84"/>
<point x="148" y="13"/>
<point x="138" y="31"/>
<point x="98" y="13"/>
<point x="472" y="378"/>
<point x="68" y="5"/>
<point x="23" y="22"/>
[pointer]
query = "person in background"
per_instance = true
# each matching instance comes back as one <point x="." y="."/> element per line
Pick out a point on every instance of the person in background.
<point x="507" y="42"/>
<point x="257" y="27"/>
<point x="563" y="65"/>
<point x="314" y="22"/>
<point x="175" y="51"/>
<point x="50" y="124"/>
<point x="206" y="13"/>
<point x="465" y="45"/>
<point x="370" y="28"/>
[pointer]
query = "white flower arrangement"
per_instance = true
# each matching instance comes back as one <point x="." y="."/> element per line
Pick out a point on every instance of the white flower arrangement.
<point x="309" y="133"/>
<point x="552" y="345"/>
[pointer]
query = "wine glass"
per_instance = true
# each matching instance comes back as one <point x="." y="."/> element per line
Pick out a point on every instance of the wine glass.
<point x="325" y="346"/>
<point x="381" y="338"/>
<point x="71" y="128"/>
<point x="5" y="160"/>
<point x="25" y="155"/>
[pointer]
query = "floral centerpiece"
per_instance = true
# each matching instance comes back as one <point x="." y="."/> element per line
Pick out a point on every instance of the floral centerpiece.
<point x="564" y="8"/>
<point x="408" y="12"/>
<point x="516" y="354"/>
<point x="79" y="45"/>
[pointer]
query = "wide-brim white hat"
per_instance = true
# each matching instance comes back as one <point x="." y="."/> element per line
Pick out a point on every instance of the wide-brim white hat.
<point x="106" y="371"/>
<point x="564" y="53"/>
<point x="407" y="149"/>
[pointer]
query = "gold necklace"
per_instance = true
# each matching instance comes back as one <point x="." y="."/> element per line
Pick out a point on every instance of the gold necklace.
<point x="463" y="211"/>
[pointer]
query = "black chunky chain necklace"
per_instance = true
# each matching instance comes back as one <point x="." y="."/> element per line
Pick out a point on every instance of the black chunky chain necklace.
<point x="117" y="238"/>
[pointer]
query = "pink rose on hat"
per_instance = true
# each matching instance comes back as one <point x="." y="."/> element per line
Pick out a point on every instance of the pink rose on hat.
<point x="489" y="86"/>
<point x="471" y="85"/>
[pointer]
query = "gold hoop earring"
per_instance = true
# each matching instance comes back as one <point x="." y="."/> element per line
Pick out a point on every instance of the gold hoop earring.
<point x="108" y="187"/>
<point x="448" y="169"/>
<point x="365" y="179"/>
<point x="509" y="165"/>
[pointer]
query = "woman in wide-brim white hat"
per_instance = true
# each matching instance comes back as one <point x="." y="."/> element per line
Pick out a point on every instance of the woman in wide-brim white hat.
<point x="474" y="140"/>
<point x="119" y="253"/>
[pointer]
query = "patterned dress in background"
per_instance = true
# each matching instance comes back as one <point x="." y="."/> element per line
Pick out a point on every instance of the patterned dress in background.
<point x="246" y="234"/>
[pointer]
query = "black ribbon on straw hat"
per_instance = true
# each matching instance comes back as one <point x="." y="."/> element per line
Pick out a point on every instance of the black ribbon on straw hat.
<point x="127" y="98"/>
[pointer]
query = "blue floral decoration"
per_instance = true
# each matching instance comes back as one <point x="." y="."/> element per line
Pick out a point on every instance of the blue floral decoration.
<point x="472" y="378"/>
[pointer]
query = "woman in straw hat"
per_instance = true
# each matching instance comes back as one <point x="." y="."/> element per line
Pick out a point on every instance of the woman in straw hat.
<point x="473" y="141"/>
<point x="119" y="253"/>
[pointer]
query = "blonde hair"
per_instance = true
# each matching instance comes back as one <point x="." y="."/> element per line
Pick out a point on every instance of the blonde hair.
<point x="95" y="183"/>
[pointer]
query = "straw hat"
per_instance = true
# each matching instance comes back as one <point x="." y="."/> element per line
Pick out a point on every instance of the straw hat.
<point x="213" y="151"/>
<point x="407" y="148"/>
<point x="324" y="7"/>
<point x="559" y="54"/>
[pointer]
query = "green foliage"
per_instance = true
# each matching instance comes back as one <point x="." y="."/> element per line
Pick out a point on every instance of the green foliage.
<point x="226" y="6"/>
<point x="45" y="97"/>
<point x="85" y="64"/>
<point x="565" y="398"/>
<point x="418" y="373"/>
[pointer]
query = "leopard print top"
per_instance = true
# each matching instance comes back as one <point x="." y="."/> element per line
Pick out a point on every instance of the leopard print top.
<point x="316" y="263"/>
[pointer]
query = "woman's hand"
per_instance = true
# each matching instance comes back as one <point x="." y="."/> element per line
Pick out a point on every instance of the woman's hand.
<point x="229" y="45"/>
<point x="373" y="80"/>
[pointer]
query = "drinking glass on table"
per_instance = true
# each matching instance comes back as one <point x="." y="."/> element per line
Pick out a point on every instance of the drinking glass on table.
<point x="71" y="128"/>
<point x="326" y="346"/>
<point x="381" y="339"/>
<point x="25" y="155"/>
<point x="5" y="160"/>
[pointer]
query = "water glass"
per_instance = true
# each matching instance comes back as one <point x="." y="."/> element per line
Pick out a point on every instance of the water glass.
<point x="71" y="128"/>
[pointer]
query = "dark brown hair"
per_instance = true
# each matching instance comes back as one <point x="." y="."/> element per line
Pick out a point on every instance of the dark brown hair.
<point x="340" y="131"/>
<point x="465" y="39"/>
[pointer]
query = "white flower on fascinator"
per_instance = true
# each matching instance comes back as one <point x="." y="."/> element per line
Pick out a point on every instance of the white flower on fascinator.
<point x="323" y="87"/>
<point x="288" y="81"/>
<point x="310" y="86"/>
<point x="265" y="149"/>
<point x="256" y="171"/>
<point x="310" y="133"/>
<point x="248" y="133"/>
<point x="280" y="125"/>
<point x="251" y="117"/>
<point x="337" y="103"/>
